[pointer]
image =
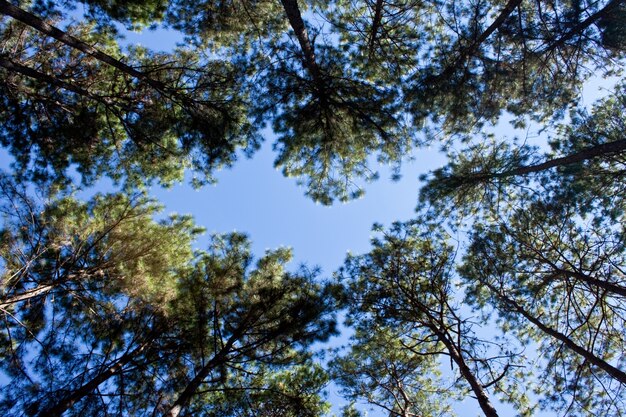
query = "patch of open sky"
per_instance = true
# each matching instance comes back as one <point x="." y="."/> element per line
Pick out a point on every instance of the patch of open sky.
<point x="255" y="198"/>
<point x="158" y="39"/>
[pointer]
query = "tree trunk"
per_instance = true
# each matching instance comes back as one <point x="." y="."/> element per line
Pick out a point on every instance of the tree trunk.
<point x="32" y="73"/>
<point x="587" y="279"/>
<point x="376" y="23"/>
<point x="185" y="397"/>
<point x="187" y="102"/>
<point x="586" y="154"/>
<point x="64" y="404"/>
<point x="604" y="149"/>
<point x="27" y="295"/>
<point x="467" y="374"/>
<point x="297" y="24"/>
<point x="614" y="372"/>
<point x="35" y="22"/>
<point x="580" y="27"/>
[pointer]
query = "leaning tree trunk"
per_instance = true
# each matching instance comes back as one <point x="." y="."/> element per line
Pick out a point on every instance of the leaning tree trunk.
<point x="467" y="374"/>
<point x="79" y="393"/>
<point x="614" y="372"/>
<point x="38" y="24"/>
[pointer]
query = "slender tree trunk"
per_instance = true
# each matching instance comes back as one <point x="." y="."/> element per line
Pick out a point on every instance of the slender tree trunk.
<point x="586" y="154"/>
<point x="614" y="372"/>
<point x="605" y="285"/>
<point x="376" y="23"/>
<point x="604" y="149"/>
<point x="436" y="324"/>
<point x="184" y="398"/>
<point x="467" y="374"/>
<point x="187" y="102"/>
<point x="64" y="404"/>
<point x="53" y="81"/>
<point x="297" y="24"/>
<point x="42" y="289"/>
<point x="27" y="295"/>
<point x="35" y="22"/>
<point x="580" y="27"/>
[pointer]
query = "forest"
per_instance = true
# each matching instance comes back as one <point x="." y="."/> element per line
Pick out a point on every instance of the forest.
<point x="504" y="294"/>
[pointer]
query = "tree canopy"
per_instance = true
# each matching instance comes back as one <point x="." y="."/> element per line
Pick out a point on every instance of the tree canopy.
<point x="339" y="82"/>
<point x="505" y="290"/>
<point x="107" y="311"/>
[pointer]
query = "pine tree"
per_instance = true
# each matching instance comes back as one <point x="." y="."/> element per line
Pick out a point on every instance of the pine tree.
<point x="107" y="311"/>
<point x="401" y="301"/>
<point x="337" y="94"/>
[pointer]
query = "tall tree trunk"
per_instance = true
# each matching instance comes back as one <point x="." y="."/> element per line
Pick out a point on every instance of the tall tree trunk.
<point x="35" y="22"/>
<point x="605" y="149"/>
<point x="614" y="372"/>
<point x="580" y="27"/>
<point x="297" y="24"/>
<point x="605" y="285"/>
<point x="376" y="23"/>
<point x="184" y="398"/>
<point x="187" y="102"/>
<point x="27" y="295"/>
<point x="467" y="374"/>
<point x="76" y="395"/>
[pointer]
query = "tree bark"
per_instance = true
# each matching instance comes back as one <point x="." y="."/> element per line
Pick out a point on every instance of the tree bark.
<point x="297" y="24"/>
<point x="586" y="154"/>
<point x="64" y="404"/>
<point x="376" y="23"/>
<point x="32" y="73"/>
<point x="580" y="27"/>
<point x="27" y="295"/>
<point x="587" y="279"/>
<point x="614" y="372"/>
<point x="35" y="22"/>
<point x="605" y="149"/>
<point x="184" y="398"/>
<point x="467" y="374"/>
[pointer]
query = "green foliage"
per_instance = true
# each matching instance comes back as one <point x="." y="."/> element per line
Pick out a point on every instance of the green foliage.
<point x="476" y="177"/>
<point x="184" y="112"/>
<point x="226" y="24"/>
<point x="293" y="392"/>
<point x="134" y="14"/>
<point x="112" y="239"/>
<point x="382" y="371"/>
<point x="546" y="249"/>
<point x="401" y="302"/>
<point x="106" y="310"/>
<point x="585" y="167"/>
<point x="343" y="91"/>
<point x="596" y="184"/>
<point x="612" y="26"/>
<point x="561" y="270"/>
<point x="330" y="127"/>
<point x="100" y="302"/>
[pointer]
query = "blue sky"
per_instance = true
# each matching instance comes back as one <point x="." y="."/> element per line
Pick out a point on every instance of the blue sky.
<point x="255" y="198"/>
